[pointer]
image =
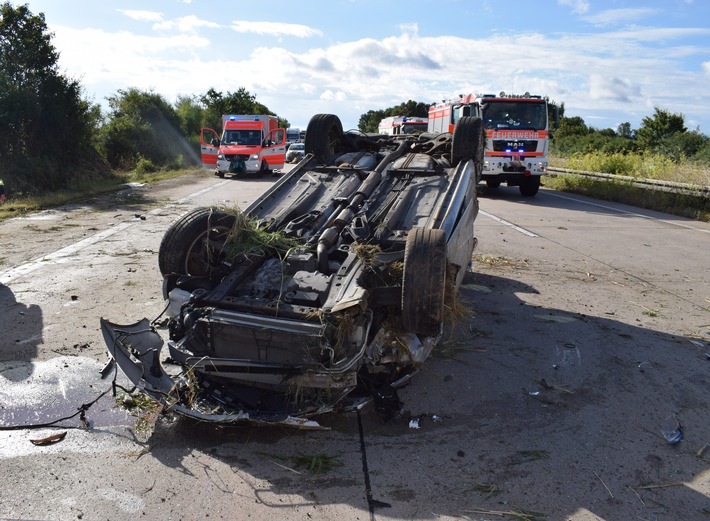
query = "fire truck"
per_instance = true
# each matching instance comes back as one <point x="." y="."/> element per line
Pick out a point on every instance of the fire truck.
<point x="517" y="135"/>
<point x="249" y="144"/>
<point x="395" y="125"/>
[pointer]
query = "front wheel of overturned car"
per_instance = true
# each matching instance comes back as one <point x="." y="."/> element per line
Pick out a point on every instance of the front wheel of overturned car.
<point x="529" y="186"/>
<point x="323" y="133"/>
<point x="424" y="281"/>
<point x="194" y="244"/>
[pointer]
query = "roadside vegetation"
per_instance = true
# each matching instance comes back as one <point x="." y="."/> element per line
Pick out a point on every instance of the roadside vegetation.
<point x="56" y="146"/>
<point x="661" y="149"/>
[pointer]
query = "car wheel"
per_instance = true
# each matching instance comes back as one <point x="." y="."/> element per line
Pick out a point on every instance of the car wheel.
<point x="322" y="136"/>
<point x="492" y="183"/>
<point x="424" y="281"/>
<point x="529" y="186"/>
<point x="468" y="142"/>
<point x="194" y="244"/>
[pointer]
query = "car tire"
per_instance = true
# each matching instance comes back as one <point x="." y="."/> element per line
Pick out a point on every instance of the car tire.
<point x="263" y="169"/>
<point x="424" y="281"/>
<point x="468" y="142"/>
<point x="322" y="136"/>
<point x="194" y="244"/>
<point x="529" y="186"/>
<point x="492" y="183"/>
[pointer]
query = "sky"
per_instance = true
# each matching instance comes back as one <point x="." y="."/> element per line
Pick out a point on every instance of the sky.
<point x="608" y="61"/>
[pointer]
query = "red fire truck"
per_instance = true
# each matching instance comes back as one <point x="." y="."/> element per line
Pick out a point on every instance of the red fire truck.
<point x="517" y="135"/>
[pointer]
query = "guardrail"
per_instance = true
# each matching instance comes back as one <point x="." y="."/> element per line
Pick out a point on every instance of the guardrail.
<point x="650" y="184"/>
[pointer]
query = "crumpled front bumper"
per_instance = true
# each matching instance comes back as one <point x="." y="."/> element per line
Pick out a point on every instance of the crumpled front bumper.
<point x="136" y="348"/>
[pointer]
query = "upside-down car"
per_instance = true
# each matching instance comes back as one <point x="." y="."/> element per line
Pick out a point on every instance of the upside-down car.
<point x="327" y="293"/>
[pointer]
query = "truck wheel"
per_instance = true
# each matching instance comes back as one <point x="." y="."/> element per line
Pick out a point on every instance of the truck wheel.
<point x="194" y="244"/>
<point x="529" y="186"/>
<point x="263" y="169"/>
<point x="424" y="281"/>
<point x="322" y="135"/>
<point x="468" y="142"/>
<point x="492" y="183"/>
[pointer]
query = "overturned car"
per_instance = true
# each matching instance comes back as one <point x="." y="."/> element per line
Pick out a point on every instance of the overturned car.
<point x="327" y="293"/>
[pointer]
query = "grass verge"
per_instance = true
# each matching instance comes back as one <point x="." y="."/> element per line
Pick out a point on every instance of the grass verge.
<point x="22" y="205"/>
<point x="692" y="207"/>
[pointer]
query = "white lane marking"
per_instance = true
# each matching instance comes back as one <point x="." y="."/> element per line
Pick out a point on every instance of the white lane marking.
<point x="507" y="223"/>
<point x="57" y="256"/>
<point x="635" y="214"/>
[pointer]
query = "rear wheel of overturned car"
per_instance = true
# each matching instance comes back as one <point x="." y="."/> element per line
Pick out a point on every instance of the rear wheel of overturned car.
<point x="322" y="136"/>
<point x="194" y="244"/>
<point x="468" y="142"/>
<point x="529" y="185"/>
<point x="424" y="281"/>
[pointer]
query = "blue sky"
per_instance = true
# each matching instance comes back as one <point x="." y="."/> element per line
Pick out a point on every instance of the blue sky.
<point x="609" y="61"/>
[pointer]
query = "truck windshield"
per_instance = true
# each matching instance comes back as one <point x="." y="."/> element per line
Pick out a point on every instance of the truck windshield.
<point x="515" y="115"/>
<point x="241" y="137"/>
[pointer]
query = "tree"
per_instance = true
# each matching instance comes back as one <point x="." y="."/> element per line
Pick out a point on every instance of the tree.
<point x="663" y="124"/>
<point x="239" y="102"/>
<point x="144" y="126"/>
<point x="45" y="125"/>
<point x="370" y="120"/>
<point x="624" y="130"/>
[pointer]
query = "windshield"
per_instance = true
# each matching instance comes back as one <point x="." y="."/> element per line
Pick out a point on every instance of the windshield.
<point x="515" y="115"/>
<point x="241" y="137"/>
<point x="297" y="146"/>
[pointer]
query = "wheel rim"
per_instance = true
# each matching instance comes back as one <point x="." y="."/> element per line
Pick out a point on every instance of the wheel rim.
<point x="206" y="251"/>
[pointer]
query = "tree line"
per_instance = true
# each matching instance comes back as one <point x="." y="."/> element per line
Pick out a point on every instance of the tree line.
<point x="52" y="138"/>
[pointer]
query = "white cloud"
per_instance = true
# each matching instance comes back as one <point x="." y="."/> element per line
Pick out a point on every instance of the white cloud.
<point x="275" y="29"/>
<point x="409" y="28"/>
<point x="617" y="16"/>
<point x="142" y="16"/>
<point x="185" y="24"/>
<point x="603" y="88"/>
<point x="578" y="6"/>
<point x="329" y="95"/>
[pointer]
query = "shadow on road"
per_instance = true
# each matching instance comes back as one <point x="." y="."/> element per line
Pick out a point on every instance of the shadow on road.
<point x="524" y="408"/>
<point x="21" y="326"/>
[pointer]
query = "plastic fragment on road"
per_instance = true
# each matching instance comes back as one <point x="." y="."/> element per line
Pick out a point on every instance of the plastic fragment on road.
<point x="672" y="430"/>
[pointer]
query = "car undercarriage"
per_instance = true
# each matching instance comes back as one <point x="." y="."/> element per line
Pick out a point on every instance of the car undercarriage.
<point x="325" y="294"/>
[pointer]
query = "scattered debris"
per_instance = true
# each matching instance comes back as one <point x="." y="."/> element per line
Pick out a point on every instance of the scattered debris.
<point x="602" y="482"/>
<point x="50" y="440"/>
<point x="520" y="514"/>
<point x="318" y="463"/>
<point x="671" y="430"/>
<point x="702" y="450"/>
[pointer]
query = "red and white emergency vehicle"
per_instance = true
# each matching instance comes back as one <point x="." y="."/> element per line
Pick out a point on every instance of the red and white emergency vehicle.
<point x="517" y="135"/>
<point x="395" y="125"/>
<point x="249" y="144"/>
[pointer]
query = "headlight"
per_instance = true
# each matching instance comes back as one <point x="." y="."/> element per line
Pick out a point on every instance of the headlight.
<point x="220" y="156"/>
<point x="255" y="156"/>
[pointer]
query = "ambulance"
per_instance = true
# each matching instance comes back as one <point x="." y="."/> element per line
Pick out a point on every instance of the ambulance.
<point x="395" y="125"/>
<point x="517" y="135"/>
<point x="249" y="144"/>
